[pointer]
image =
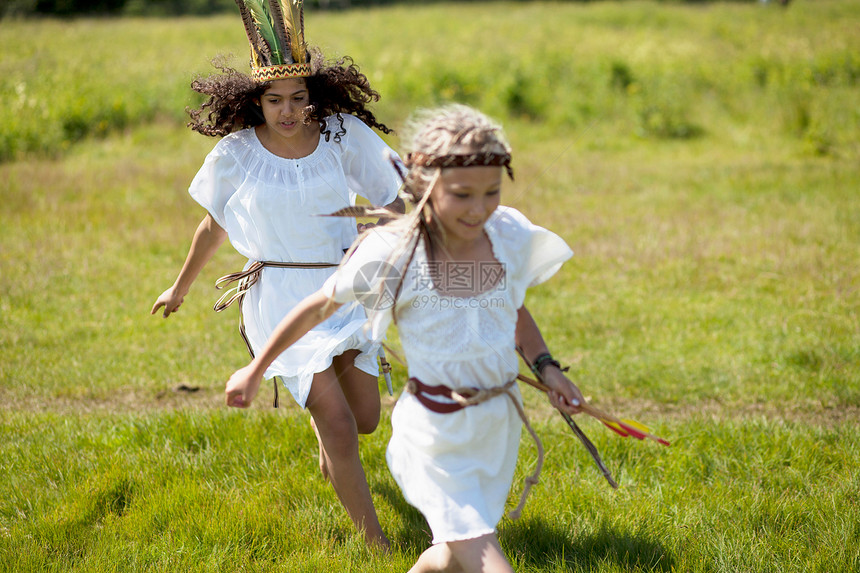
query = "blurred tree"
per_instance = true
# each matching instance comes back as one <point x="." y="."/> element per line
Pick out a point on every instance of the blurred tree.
<point x="69" y="7"/>
<point x="177" y="7"/>
<point x="198" y="7"/>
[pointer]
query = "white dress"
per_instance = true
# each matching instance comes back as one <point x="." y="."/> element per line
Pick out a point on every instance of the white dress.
<point x="270" y="207"/>
<point x="457" y="468"/>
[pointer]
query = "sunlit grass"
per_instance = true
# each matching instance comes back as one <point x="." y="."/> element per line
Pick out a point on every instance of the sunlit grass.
<point x="201" y="491"/>
<point x="701" y="162"/>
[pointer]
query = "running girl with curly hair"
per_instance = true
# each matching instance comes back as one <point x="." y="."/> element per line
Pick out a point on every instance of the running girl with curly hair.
<point x="297" y="142"/>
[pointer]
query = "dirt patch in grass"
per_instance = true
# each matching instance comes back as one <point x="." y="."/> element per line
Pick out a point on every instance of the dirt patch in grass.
<point x="133" y="400"/>
<point x="136" y="400"/>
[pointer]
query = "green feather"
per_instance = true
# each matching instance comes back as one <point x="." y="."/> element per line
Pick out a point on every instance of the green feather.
<point x="260" y="12"/>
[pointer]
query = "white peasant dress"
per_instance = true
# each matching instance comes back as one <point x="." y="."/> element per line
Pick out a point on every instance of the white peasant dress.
<point x="271" y="208"/>
<point x="457" y="468"/>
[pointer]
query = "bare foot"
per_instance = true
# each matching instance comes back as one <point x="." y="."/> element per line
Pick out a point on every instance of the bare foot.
<point x="380" y="544"/>
<point x="323" y="464"/>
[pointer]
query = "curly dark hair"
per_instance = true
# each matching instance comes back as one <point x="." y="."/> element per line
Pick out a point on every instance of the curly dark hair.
<point x="334" y="87"/>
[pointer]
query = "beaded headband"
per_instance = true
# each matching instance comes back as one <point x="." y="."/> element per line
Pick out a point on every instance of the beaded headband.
<point x="275" y="30"/>
<point x="485" y="159"/>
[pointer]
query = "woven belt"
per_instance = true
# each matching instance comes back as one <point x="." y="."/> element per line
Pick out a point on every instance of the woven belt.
<point x="249" y="277"/>
<point x="465" y="397"/>
<point x="246" y="279"/>
<point x="421" y="391"/>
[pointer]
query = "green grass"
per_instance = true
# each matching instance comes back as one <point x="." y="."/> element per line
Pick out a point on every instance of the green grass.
<point x="701" y="162"/>
<point x="209" y="490"/>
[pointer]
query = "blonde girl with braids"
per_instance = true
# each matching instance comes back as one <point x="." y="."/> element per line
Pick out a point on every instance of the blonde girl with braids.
<point x="452" y="276"/>
<point x="297" y="143"/>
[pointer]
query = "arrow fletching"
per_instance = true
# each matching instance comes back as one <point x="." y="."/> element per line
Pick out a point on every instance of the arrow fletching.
<point x="615" y="428"/>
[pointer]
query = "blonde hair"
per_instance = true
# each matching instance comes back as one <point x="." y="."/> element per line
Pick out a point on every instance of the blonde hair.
<point x="454" y="130"/>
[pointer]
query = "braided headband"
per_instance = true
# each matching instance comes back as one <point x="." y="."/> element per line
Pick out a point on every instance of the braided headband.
<point x="280" y="72"/>
<point x="486" y="159"/>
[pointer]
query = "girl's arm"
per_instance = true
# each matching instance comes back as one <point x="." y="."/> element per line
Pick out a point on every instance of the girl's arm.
<point x="207" y="238"/>
<point x="564" y="394"/>
<point x="243" y="384"/>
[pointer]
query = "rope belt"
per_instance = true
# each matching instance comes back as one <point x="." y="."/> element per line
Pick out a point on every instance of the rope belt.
<point x="249" y="277"/>
<point x="465" y="397"/>
<point x="245" y="280"/>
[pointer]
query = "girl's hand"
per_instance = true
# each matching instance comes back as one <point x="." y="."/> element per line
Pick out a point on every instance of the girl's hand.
<point x="170" y="299"/>
<point x="563" y="394"/>
<point x="242" y="387"/>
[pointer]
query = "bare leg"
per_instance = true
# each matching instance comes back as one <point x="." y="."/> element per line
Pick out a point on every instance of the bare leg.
<point x="335" y="425"/>
<point x="436" y="559"/>
<point x="480" y="555"/>
<point x="361" y="391"/>
<point x="323" y="464"/>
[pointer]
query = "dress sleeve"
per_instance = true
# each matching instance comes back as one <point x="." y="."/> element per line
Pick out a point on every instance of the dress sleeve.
<point x="216" y="182"/>
<point x="368" y="279"/>
<point x="367" y="165"/>
<point x="531" y="254"/>
<point x="358" y="278"/>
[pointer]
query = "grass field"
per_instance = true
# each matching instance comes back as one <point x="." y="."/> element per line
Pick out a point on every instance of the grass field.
<point x="702" y="162"/>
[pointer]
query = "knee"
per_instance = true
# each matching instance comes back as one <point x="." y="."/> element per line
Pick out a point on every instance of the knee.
<point x="338" y="433"/>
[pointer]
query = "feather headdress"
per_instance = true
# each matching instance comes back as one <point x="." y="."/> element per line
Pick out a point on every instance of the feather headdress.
<point x="275" y="30"/>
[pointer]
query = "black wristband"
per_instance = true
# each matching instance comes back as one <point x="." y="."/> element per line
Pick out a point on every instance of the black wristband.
<point x="542" y="361"/>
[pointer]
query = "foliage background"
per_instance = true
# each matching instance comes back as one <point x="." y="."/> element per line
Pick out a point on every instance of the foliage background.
<point x="20" y="8"/>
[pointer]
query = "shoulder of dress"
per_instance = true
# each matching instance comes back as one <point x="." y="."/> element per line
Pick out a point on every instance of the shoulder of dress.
<point x="381" y="236"/>
<point x="384" y="244"/>
<point x="348" y="118"/>
<point x="334" y="121"/>
<point x="507" y="221"/>
<point x="233" y="142"/>
<point x="351" y="124"/>
<point x="241" y="152"/>
<point x="237" y="137"/>
<point x="508" y="230"/>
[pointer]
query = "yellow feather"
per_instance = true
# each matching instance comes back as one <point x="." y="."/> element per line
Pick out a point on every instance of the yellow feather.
<point x="296" y="21"/>
<point x="638" y="426"/>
